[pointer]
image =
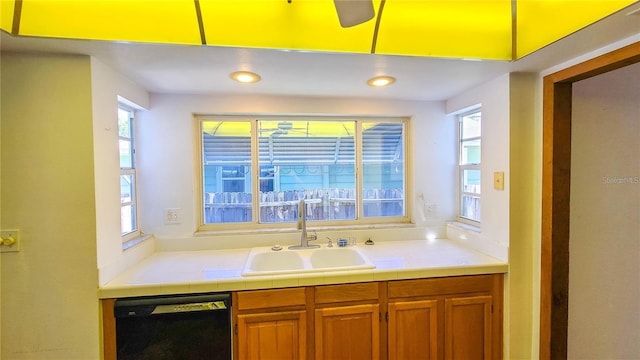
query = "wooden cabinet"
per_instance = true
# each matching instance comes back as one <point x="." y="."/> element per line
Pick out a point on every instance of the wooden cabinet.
<point x="279" y="335"/>
<point x="323" y="322"/>
<point x="446" y="318"/>
<point x="347" y="321"/>
<point x="438" y="318"/>
<point x="271" y="324"/>
<point x="413" y="330"/>
<point x="109" y="350"/>
<point x="468" y="328"/>
<point x="348" y="332"/>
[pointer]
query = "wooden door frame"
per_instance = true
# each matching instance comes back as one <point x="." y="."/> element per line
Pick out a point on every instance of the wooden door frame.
<point x="556" y="184"/>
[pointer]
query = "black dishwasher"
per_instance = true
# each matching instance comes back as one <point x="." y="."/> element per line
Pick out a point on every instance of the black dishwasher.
<point x="190" y="327"/>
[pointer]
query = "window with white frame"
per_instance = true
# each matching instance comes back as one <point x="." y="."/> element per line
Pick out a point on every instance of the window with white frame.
<point x="256" y="171"/>
<point x="128" y="201"/>
<point x="470" y="137"/>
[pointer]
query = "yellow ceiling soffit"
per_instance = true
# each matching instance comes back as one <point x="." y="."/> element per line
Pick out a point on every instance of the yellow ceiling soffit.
<point x="542" y="22"/>
<point x="6" y="15"/>
<point x="480" y="29"/>
<point x="153" y="21"/>
<point x="447" y="28"/>
<point x="277" y="24"/>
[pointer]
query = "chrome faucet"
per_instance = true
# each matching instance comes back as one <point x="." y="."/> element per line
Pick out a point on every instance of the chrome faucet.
<point x="302" y="225"/>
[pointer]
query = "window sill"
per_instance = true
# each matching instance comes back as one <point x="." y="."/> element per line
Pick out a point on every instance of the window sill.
<point x="465" y="226"/>
<point x="126" y="245"/>
<point x="309" y="228"/>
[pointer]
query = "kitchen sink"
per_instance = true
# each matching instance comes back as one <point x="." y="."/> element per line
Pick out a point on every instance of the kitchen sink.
<point x="264" y="261"/>
<point x="336" y="258"/>
<point x="276" y="261"/>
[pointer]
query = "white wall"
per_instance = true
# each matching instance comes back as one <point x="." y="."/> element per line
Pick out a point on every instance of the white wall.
<point x="50" y="307"/>
<point x="106" y="86"/>
<point x="604" y="311"/>
<point x="166" y="146"/>
<point x="494" y="98"/>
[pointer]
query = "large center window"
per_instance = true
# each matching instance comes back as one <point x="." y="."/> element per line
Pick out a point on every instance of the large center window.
<point x="256" y="171"/>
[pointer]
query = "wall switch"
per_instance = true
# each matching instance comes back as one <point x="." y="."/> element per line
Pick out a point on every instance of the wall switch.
<point x="10" y="240"/>
<point x="498" y="180"/>
<point x="172" y="216"/>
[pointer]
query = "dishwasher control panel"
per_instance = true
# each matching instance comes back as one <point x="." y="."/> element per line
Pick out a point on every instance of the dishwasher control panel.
<point x="203" y="306"/>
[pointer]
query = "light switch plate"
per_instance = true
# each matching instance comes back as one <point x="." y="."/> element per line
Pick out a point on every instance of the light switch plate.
<point x="498" y="180"/>
<point x="172" y="216"/>
<point x="15" y="234"/>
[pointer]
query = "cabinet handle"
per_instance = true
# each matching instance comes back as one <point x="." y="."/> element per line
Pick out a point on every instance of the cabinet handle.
<point x="386" y="316"/>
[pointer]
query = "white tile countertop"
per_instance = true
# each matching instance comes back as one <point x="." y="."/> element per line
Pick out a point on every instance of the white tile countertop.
<point x="180" y="272"/>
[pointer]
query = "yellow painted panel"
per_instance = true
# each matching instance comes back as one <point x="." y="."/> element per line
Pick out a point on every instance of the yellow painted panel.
<point x="438" y="28"/>
<point x="164" y="21"/>
<point x="542" y="22"/>
<point x="300" y="25"/>
<point x="6" y="15"/>
<point x="447" y="28"/>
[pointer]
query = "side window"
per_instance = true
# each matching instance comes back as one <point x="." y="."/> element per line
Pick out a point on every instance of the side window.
<point x="128" y="200"/>
<point x="469" y="166"/>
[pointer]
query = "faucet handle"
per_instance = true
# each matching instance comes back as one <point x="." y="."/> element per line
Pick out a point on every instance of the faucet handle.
<point x="313" y="237"/>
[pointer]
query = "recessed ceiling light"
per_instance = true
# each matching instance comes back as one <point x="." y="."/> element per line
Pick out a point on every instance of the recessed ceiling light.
<point x="245" y="76"/>
<point x="380" y="81"/>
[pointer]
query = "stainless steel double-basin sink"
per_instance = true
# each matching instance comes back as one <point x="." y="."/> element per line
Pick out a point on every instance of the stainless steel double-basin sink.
<point x="265" y="261"/>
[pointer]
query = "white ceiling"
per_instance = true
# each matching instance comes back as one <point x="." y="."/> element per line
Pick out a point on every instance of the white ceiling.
<point x="205" y="69"/>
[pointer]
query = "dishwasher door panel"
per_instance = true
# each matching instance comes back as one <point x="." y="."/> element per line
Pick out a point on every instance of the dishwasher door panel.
<point x="153" y="331"/>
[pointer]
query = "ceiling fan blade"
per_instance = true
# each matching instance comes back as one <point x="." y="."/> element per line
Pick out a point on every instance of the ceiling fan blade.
<point x="354" y="12"/>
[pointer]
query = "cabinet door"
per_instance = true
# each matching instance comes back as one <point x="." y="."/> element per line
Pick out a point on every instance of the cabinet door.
<point x="348" y="332"/>
<point x="468" y="327"/>
<point x="413" y="330"/>
<point x="280" y="335"/>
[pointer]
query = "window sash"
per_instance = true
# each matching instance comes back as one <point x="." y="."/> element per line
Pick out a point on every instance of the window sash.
<point x="129" y="226"/>
<point x="467" y="155"/>
<point x="469" y="197"/>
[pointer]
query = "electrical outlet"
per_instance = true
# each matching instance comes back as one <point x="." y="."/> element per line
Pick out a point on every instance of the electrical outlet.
<point x="172" y="216"/>
<point x="12" y="240"/>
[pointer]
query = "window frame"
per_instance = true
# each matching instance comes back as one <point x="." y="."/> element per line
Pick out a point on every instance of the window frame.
<point x="254" y="225"/>
<point x="130" y="171"/>
<point x="470" y="166"/>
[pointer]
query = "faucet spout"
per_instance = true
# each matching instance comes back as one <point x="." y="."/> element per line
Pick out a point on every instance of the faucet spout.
<point x="302" y="217"/>
<point x="302" y="225"/>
